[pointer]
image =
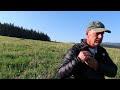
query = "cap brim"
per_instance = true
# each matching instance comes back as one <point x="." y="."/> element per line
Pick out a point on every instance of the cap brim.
<point x="101" y="30"/>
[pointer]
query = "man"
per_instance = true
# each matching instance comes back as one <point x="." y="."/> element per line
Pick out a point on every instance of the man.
<point x="88" y="60"/>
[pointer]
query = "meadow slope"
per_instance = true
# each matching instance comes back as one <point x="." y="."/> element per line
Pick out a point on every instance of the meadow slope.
<point x="34" y="59"/>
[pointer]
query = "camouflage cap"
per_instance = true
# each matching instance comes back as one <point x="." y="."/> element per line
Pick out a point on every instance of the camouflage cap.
<point x="97" y="26"/>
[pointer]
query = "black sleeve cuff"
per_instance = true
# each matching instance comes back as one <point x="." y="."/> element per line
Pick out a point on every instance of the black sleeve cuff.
<point x="79" y="60"/>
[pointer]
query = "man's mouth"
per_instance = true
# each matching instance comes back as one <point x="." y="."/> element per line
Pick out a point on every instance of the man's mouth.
<point x="98" y="41"/>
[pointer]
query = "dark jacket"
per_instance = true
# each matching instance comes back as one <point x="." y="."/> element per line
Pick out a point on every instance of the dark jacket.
<point x="73" y="67"/>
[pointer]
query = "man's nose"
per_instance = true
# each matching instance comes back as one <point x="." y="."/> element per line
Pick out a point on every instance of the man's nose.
<point x="100" y="36"/>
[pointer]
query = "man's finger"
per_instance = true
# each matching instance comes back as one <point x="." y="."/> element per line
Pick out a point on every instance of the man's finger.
<point x="86" y="53"/>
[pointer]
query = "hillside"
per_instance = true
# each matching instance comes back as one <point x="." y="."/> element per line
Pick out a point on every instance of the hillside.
<point x="34" y="59"/>
<point x="30" y="59"/>
<point x="111" y="45"/>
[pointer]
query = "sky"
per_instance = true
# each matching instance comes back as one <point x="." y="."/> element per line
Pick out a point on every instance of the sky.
<point x="65" y="26"/>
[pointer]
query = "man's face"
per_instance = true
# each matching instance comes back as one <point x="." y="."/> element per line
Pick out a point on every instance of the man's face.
<point x="94" y="38"/>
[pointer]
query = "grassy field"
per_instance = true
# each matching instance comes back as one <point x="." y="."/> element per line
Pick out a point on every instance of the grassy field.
<point x="33" y="59"/>
<point x="114" y="53"/>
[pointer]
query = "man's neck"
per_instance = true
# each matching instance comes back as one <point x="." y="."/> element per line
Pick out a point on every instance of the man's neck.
<point x="90" y="45"/>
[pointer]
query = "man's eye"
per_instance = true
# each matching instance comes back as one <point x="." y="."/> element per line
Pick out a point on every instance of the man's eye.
<point x="95" y="34"/>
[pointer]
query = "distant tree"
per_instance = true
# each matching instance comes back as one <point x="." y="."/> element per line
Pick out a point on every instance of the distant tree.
<point x="19" y="32"/>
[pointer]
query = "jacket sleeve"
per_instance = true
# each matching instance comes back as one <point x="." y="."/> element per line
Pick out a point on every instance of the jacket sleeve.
<point x="108" y="68"/>
<point x="70" y="61"/>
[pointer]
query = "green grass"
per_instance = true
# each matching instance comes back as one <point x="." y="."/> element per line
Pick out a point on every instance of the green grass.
<point x="30" y="59"/>
<point x="34" y="59"/>
<point x="114" y="53"/>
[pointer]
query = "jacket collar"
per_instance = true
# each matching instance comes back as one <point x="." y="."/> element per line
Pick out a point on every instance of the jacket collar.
<point x="84" y="42"/>
<point x="85" y="46"/>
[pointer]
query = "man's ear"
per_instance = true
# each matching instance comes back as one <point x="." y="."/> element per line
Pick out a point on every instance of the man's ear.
<point x="87" y="32"/>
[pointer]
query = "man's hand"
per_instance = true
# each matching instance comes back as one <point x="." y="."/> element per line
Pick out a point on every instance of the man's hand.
<point x="85" y="56"/>
<point x="90" y="61"/>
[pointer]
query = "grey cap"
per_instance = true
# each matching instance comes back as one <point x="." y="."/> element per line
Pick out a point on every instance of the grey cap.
<point x="97" y="26"/>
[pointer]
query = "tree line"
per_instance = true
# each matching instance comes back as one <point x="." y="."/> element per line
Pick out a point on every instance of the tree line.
<point x="15" y="31"/>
